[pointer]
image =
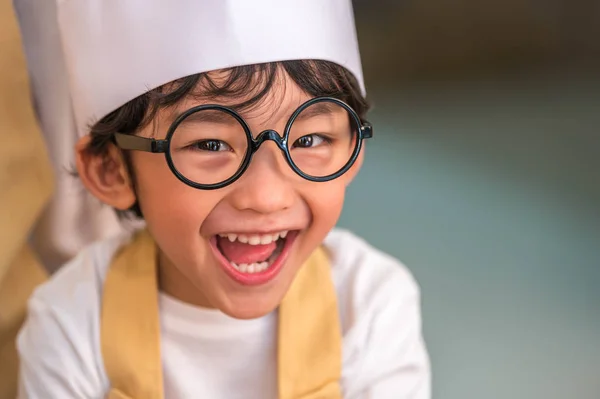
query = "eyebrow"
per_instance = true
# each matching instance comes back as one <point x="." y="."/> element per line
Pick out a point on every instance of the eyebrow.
<point x="318" y="109"/>
<point x="210" y="116"/>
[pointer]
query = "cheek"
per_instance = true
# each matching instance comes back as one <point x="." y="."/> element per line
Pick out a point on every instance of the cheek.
<point x="326" y="201"/>
<point x="173" y="211"/>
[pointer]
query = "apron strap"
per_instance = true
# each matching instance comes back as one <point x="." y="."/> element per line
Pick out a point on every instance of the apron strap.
<point x="309" y="337"/>
<point x="130" y="330"/>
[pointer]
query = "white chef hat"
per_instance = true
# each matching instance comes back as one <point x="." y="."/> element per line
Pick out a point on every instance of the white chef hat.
<point x="116" y="50"/>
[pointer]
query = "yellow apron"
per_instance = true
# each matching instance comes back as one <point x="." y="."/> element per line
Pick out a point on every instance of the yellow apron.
<point x="309" y="335"/>
<point x="25" y="187"/>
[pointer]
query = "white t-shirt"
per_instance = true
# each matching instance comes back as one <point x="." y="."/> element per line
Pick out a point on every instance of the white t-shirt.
<point x="210" y="355"/>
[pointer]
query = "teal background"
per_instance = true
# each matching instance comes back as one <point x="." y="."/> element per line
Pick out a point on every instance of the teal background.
<point x="489" y="191"/>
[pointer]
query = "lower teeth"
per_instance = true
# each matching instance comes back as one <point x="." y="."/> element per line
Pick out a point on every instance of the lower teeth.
<point x="259" y="267"/>
<point x="252" y="268"/>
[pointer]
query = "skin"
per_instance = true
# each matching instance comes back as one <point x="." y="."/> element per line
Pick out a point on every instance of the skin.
<point x="269" y="197"/>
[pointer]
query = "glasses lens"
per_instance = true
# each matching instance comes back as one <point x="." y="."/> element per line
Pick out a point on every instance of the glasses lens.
<point x="322" y="139"/>
<point x="208" y="146"/>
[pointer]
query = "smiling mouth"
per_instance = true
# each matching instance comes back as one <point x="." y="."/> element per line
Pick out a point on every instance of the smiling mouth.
<point x="253" y="259"/>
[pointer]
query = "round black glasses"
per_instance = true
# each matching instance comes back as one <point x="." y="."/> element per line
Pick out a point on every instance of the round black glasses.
<point x="211" y="146"/>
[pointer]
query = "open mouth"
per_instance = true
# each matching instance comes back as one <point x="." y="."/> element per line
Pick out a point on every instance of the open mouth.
<point x="253" y="259"/>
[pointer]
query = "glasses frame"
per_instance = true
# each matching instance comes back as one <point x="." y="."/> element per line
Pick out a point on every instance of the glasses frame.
<point x="157" y="146"/>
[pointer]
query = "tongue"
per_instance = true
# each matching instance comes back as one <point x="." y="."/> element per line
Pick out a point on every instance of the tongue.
<point x="239" y="253"/>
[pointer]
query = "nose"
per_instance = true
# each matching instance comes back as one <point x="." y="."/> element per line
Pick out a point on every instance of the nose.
<point x="264" y="187"/>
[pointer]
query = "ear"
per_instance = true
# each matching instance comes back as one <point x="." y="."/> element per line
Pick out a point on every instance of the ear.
<point x="105" y="176"/>
<point x="353" y="171"/>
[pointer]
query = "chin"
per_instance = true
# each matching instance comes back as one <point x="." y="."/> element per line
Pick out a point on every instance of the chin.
<point x="249" y="309"/>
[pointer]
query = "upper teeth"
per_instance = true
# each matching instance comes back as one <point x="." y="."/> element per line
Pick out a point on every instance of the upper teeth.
<point x="255" y="239"/>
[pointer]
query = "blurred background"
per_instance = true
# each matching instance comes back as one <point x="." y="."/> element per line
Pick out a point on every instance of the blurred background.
<point x="484" y="179"/>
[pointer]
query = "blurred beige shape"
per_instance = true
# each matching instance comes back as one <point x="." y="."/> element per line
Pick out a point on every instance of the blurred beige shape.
<point x="26" y="186"/>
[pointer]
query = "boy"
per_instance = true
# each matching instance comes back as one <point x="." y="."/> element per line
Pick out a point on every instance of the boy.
<point x="232" y="128"/>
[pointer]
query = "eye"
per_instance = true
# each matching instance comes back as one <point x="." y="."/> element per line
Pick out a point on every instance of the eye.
<point x="210" y="146"/>
<point x="308" y="141"/>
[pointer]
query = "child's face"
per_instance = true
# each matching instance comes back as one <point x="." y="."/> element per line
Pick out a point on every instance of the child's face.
<point x="268" y="199"/>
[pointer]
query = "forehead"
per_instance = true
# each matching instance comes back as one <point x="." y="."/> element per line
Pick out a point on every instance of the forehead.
<point x="257" y="104"/>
